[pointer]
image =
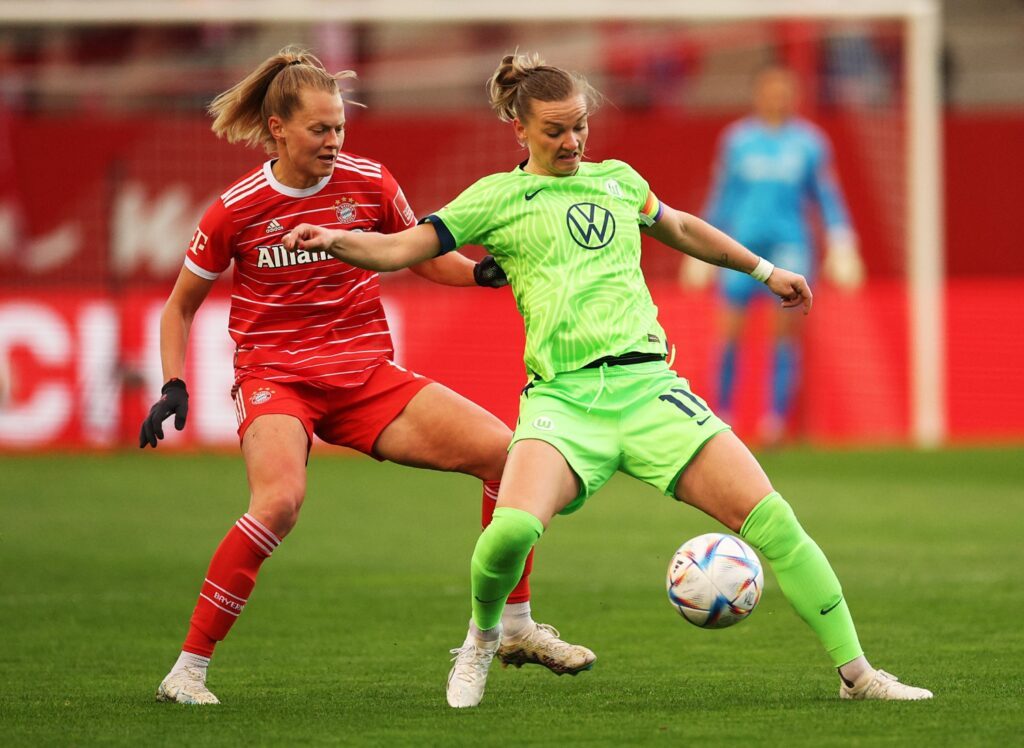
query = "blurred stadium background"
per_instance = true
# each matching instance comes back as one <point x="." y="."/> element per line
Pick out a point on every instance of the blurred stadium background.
<point x="107" y="160"/>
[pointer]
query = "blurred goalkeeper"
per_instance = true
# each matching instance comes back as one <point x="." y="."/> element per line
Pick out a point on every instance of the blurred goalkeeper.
<point x="313" y="350"/>
<point x="771" y="167"/>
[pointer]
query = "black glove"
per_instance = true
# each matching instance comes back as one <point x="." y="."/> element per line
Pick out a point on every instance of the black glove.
<point x="488" y="272"/>
<point x="174" y="400"/>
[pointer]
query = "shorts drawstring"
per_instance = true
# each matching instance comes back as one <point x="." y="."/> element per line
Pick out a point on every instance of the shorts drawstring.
<point x="600" y="386"/>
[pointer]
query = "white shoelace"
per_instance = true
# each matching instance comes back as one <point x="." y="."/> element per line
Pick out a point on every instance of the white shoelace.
<point x="477" y="665"/>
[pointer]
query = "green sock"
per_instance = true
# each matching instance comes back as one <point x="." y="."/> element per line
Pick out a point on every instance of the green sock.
<point x="498" y="561"/>
<point x="804" y="574"/>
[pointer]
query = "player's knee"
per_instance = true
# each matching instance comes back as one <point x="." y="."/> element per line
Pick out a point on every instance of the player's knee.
<point x="772" y="528"/>
<point x="735" y="513"/>
<point x="506" y="542"/>
<point x="279" y="517"/>
<point x="277" y="506"/>
<point x="735" y="516"/>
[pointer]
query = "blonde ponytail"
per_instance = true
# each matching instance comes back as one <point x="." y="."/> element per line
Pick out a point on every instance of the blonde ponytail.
<point x="274" y="88"/>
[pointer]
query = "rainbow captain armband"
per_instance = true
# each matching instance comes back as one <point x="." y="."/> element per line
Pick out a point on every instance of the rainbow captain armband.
<point x="762" y="271"/>
<point x="651" y="212"/>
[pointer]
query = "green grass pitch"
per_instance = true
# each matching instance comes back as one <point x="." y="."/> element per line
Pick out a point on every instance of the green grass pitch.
<point x="346" y="638"/>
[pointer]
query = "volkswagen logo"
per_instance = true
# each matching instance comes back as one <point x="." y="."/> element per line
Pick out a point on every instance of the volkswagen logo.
<point x="590" y="225"/>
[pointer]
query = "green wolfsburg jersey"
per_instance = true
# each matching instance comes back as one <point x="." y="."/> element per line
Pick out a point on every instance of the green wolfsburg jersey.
<point x="570" y="247"/>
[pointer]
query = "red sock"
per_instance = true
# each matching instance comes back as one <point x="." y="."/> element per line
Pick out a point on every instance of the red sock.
<point x="229" y="580"/>
<point x="521" y="592"/>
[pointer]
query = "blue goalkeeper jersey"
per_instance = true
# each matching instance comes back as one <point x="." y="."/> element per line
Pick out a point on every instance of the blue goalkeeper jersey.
<point x="766" y="179"/>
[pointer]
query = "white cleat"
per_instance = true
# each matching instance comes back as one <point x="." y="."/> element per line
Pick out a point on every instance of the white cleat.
<point x="186" y="686"/>
<point x="541" y="645"/>
<point x="468" y="676"/>
<point x="878" y="684"/>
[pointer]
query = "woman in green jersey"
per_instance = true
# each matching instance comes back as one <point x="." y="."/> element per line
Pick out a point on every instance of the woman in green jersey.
<point x="602" y="398"/>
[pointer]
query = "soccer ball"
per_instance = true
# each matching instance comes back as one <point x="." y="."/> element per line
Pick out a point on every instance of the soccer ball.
<point x="714" y="580"/>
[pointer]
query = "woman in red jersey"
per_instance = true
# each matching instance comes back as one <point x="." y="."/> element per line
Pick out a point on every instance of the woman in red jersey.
<point x="313" y="351"/>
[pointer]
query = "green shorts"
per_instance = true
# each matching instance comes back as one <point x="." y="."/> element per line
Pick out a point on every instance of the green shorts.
<point x="641" y="419"/>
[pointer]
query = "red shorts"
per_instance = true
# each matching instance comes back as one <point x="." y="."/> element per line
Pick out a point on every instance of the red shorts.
<point x="347" y="416"/>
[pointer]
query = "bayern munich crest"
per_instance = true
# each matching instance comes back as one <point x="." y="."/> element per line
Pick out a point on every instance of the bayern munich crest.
<point x="345" y="209"/>
<point x="260" y="396"/>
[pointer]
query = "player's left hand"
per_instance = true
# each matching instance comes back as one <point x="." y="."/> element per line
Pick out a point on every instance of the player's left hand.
<point x="173" y="401"/>
<point x="309" y="238"/>
<point x="791" y="287"/>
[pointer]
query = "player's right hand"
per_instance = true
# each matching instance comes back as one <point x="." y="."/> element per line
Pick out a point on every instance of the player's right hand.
<point x="308" y="237"/>
<point x="174" y="399"/>
<point x="791" y="287"/>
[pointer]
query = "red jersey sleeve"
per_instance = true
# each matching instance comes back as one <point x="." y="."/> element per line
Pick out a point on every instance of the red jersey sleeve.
<point x="209" y="252"/>
<point x="396" y="214"/>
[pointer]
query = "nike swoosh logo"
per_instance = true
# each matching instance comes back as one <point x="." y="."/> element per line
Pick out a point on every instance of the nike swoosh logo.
<point x="701" y="423"/>
<point x="486" y="602"/>
<point x="831" y="607"/>
<point x="531" y="195"/>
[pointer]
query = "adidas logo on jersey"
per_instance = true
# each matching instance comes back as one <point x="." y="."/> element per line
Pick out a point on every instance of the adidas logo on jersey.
<point x="274" y="226"/>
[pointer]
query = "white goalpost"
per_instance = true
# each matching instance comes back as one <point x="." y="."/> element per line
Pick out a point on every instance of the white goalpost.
<point x="920" y="21"/>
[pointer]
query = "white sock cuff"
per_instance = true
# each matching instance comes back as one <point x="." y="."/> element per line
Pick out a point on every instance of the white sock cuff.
<point x="517" y="610"/>
<point x="188" y="659"/>
<point x="485" y="635"/>
<point x="264" y="539"/>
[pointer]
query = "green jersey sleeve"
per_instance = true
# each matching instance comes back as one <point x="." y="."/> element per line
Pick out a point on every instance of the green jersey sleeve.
<point x="468" y="219"/>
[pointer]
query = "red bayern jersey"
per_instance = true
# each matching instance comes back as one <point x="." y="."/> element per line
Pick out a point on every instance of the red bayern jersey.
<point x="302" y="316"/>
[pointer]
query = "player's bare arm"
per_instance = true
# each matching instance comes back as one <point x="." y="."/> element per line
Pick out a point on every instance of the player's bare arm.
<point x="176" y="320"/>
<point x="452" y="269"/>
<point x="367" y="250"/>
<point x="688" y="234"/>
<point x="691" y="235"/>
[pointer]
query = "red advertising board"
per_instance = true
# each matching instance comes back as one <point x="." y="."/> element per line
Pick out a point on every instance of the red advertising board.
<point x="81" y="367"/>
